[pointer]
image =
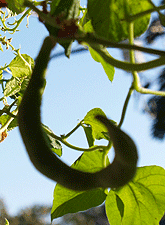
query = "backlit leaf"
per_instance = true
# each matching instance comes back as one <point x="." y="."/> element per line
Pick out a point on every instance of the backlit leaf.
<point x="141" y="201"/>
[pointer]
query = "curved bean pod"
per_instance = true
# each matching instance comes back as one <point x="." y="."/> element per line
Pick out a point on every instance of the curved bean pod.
<point x="115" y="175"/>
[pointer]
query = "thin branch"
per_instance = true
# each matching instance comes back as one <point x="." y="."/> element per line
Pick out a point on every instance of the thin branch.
<point x="125" y="106"/>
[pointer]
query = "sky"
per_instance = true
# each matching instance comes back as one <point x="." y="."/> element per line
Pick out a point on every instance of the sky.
<point x="74" y="86"/>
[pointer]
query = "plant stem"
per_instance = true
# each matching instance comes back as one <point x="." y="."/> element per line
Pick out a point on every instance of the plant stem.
<point x="24" y="60"/>
<point x="63" y="140"/>
<point x="140" y="89"/>
<point x="72" y="131"/>
<point x="126" y="65"/>
<point x="144" y="13"/>
<point x="131" y="42"/>
<point x="105" y="154"/>
<point x="132" y="60"/>
<point x="18" y="22"/>
<point x="45" y="17"/>
<point x="90" y="38"/>
<point x="125" y="106"/>
<point x="136" y="82"/>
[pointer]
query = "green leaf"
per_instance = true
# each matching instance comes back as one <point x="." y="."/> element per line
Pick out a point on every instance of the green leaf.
<point x="54" y="7"/>
<point x="63" y="6"/>
<point x="87" y="26"/>
<point x="76" y="202"/>
<point x="109" y="69"/>
<point x="24" y="82"/>
<point x="85" y="22"/>
<point x="108" y="19"/>
<point x="16" y="6"/>
<point x="68" y="201"/>
<point x="90" y="162"/>
<point x="114" y="208"/>
<point x="54" y="144"/>
<point x="89" y="136"/>
<point x="12" y="125"/>
<point x="4" y="119"/>
<point x="6" y="222"/>
<point x="19" y="68"/>
<point x="12" y="87"/>
<point x="97" y="127"/>
<point x="16" y="87"/>
<point x="140" y="202"/>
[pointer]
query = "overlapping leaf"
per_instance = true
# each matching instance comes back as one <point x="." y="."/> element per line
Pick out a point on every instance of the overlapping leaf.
<point x="68" y="201"/>
<point x="98" y="129"/>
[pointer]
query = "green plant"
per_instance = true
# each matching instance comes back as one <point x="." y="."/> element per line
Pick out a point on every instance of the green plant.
<point x="142" y="199"/>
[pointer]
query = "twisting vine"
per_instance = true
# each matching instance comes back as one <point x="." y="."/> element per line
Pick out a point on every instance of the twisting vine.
<point x="114" y="175"/>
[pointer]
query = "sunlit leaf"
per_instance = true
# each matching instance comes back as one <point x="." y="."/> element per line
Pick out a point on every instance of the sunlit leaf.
<point x="68" y="201"/>
<point x="89" y="136"/>
<point x="108" y="17"/>
<point x="12" y="87"/>
<point x="54" y="144"/>
<point x="97" y="127"/>
<point x="19" y="68"/>
<point x="109" y="69"/>
<point x="141" y="201"/>
<point x="6" y="222"/>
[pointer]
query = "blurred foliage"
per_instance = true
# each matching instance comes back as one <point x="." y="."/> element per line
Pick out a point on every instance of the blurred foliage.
<point x="93" y="216"/>
<point x="155" y="106"/>
<point x="156" y="109"/>
<point x="35" y="215"/>
<point x="154" y="31"/>
<point x="38" y="214"/>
